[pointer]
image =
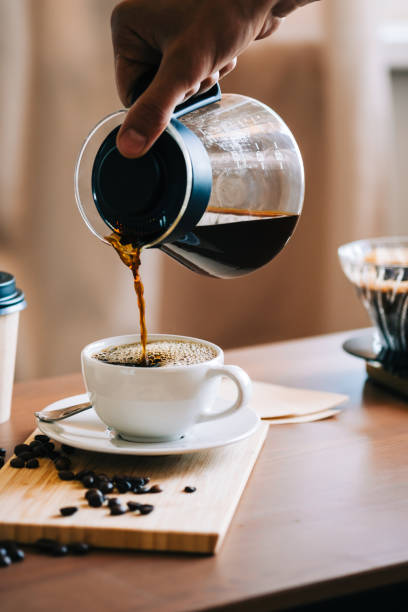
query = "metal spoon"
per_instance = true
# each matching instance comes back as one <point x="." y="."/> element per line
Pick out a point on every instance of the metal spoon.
<point x="49" y="416"/>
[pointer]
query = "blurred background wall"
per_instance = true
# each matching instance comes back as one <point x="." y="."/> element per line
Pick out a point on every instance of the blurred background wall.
<point x="337" y="72"/>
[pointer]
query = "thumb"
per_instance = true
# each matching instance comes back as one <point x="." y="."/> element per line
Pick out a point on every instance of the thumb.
<point x="149" y="116"/>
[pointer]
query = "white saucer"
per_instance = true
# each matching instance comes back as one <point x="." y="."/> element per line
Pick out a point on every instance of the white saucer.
<point x="86" y="431"/>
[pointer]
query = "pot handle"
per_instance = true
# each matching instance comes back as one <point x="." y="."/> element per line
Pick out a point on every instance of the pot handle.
<point x="192" y="104"/>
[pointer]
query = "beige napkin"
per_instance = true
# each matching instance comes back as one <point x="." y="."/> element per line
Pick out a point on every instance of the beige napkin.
<point x="286" y="405"/>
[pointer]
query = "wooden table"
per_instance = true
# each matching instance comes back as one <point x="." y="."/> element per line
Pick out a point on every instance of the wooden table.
<point x="324" y="513"/>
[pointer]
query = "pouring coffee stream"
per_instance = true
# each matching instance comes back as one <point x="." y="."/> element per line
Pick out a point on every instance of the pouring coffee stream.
<point x="131" y="259"/>
<point x="220" y="191"/>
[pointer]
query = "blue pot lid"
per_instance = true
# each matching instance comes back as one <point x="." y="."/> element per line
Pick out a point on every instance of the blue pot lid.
<point x="162" y="195"/>
<point x="11" y="298"/>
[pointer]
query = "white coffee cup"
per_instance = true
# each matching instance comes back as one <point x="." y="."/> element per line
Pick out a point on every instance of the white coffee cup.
<point x="159" y="403"/>
<point x="11" y="302"/>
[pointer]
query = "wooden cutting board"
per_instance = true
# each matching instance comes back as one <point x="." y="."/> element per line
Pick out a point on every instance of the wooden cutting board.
<point x="197" y="522"/>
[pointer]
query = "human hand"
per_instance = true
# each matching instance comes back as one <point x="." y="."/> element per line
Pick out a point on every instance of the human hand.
<point x="194" y="43"/>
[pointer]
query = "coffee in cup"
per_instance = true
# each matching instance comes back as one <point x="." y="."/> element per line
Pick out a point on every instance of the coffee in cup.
<point x="155" y="404"/>
<point x="161" y="353"/>
<point x="11" y="302"/>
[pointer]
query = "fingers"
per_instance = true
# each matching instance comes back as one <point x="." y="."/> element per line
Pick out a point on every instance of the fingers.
<point x="127" y="73"/>
<point x="210" y="81"/>
<point x="151" y="113"/>
<point x="284" y="7"/>
<point x="269" y="27"/>
<point x="207" y="83"/>
<point x="228" y="67"/>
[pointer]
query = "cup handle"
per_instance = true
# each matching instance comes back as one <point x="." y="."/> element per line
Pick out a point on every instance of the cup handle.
<point x="244" y="388"/>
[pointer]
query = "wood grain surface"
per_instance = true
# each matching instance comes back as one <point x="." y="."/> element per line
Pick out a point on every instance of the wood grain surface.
<point x="323" y="513"/>
<point x="30" y="499"/>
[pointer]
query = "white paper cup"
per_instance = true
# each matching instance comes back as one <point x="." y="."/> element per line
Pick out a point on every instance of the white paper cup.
<point x="11" y="302"/>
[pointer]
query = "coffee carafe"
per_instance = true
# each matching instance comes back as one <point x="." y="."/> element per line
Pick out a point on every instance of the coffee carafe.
<point x="220" y="191"/>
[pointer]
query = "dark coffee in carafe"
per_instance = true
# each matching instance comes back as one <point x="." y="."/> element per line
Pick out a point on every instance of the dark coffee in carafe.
<point x="236" y="243"/>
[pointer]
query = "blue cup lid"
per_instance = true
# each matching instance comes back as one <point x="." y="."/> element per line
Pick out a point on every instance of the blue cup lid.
<point x="11" y="298"/>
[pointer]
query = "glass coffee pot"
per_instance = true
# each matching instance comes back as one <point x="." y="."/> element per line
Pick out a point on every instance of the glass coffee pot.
<point x="220" y="191"/>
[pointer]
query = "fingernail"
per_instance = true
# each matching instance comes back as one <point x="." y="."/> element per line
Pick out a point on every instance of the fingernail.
<point x="131" y="142"/>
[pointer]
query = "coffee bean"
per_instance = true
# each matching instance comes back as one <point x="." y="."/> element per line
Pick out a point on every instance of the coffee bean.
<point x="106" y="487"/>
<point x="26" y="456"/>
<point x="41" y="438"/>
<point x="69" y="450"/>
<point x="86" y="473"/>
<point x="52" y="454"/>
<point x="146" y="508"/>
<point x="98" y="482"/>
<point x="123" y="486"/>
<point x="79" y="548"/>
<point x="133" y="506"/>
<point x="5" y="561"/>
<point x="62" y="463"/>
<point x="155" y="489"/>
<point x="66" y="475"/>
<point x="60" y="550"/>
<point x="68" y="510"/>
<point x="116" y="509"/>
<point x="12" y="550"/>
<point x="95" y="498"/>
<point x="115" y="479"/>
<point x="17" y="555"/>
<point x="88" y="481"/>
<point x="2" y="461"/>
<point x="17" y="462"/>
<point x="51" y="547"/>
<point x="45" y="544"/>
<point x="95" y="501"/>
<point x="189" y="489"/>
<point x="91" y="492"/>
<point x="137" y="482"/>
<point x="140" y="490"/>
<point x="2" y="452"/>
<point x="113" y="501"/>
<point x="50" y="446"/>
<point x="83" y="473"/>
<point x="39" y="451"/>
<point x="3" y="551"/>
<point x="32" y="464"/>
<point x="35" y="443"/>
<point x="21" y="448"/>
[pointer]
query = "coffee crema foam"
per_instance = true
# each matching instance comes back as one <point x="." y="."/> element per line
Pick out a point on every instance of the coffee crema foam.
<point x="160" y="353"/>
